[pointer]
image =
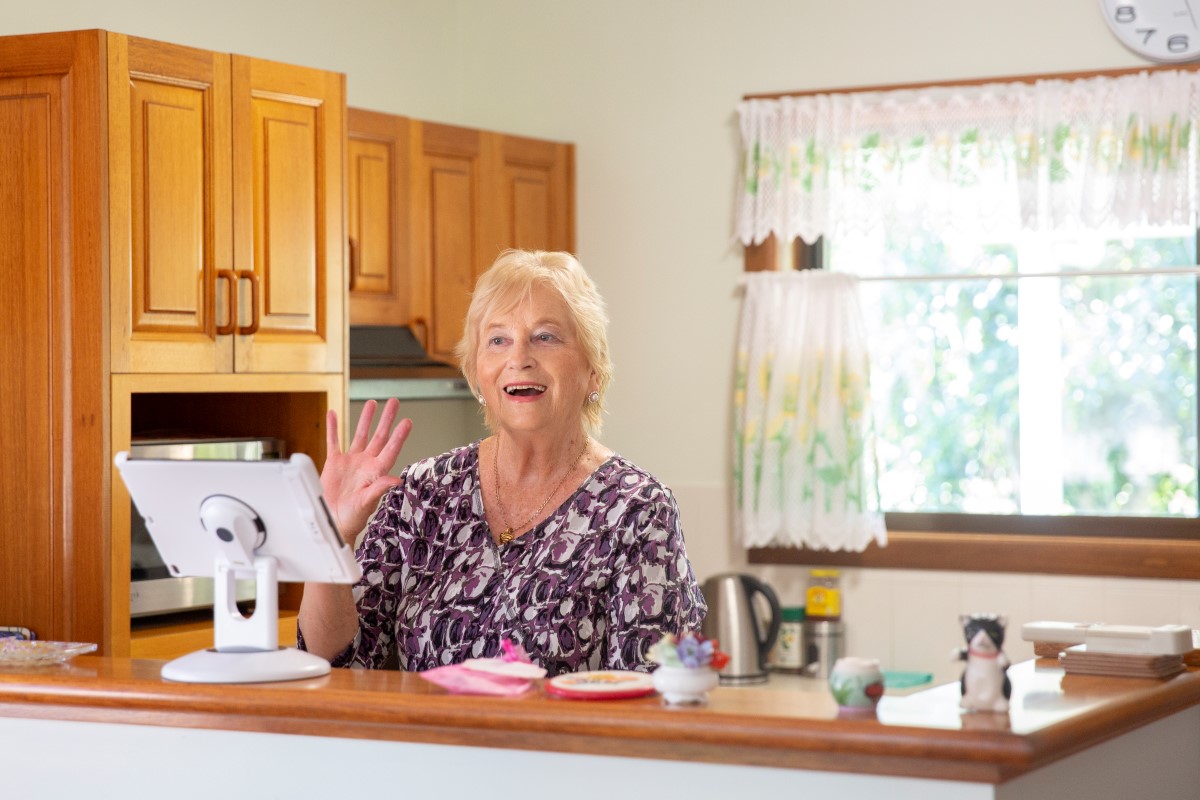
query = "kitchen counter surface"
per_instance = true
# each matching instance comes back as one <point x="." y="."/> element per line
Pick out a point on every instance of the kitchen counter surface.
<point x="922" y="734"/>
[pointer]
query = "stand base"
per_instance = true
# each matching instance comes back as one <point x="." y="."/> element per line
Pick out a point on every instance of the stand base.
<point x="212" y="666"/>
<point x="743" y="680"/>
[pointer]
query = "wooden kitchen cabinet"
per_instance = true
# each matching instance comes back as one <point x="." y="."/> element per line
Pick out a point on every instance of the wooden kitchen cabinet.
<point x="534" y="193"/>
<point x="431" y="205"/>
<point x="451" y="237"/>
<point x="53" y="479"/>
<point x="378" y="180"/>
<point x="225" y="202"/>
<point x="133" y="174"/>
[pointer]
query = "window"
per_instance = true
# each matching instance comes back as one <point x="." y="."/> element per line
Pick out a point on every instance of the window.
<point x="1069" y="393"/>
<point x="1035" y="391"/>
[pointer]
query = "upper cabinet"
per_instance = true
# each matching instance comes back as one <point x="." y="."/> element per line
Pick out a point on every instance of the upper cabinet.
<point x="171" y="259"/>
<point x="535" y="191"/>
<point x="430" y="206"/>
<point x="225" y="192"/>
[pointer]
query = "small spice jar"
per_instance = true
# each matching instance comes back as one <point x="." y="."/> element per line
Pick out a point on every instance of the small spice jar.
<point x="790" y="651"/>
<point x="823" y="600"/>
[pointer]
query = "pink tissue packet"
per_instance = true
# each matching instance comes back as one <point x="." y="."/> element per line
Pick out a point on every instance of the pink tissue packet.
<point x="508" y="675"/>
<point x="461" y="679"/>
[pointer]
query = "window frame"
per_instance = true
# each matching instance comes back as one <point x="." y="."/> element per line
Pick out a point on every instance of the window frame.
<point x="1131" y="547"/>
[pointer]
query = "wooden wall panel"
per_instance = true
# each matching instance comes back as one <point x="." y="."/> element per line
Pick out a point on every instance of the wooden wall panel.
<point x="31" y="261"/>
<point x="53" y="488"/>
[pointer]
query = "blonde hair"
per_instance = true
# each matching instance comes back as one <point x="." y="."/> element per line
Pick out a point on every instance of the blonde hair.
<point x="510" y="279"/>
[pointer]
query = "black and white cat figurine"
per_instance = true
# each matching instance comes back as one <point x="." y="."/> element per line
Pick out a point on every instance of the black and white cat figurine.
<point x="985" y="684"/>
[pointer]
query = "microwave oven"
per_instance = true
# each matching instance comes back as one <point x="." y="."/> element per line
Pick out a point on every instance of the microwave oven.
<point x="152" y="588"/>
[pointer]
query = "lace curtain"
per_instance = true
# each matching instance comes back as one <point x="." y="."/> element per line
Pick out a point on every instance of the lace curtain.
<point x="1054" y="154"/>
<point x="804" y="455"/>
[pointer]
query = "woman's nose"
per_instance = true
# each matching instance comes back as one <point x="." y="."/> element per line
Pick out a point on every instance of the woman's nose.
<point x="521" y="355"/>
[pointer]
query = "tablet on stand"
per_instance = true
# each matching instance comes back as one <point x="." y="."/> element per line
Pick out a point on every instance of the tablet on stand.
<point x="238" y="519"/>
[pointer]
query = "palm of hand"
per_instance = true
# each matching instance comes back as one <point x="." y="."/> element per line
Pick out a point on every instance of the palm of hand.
<point x="353" y="481"/>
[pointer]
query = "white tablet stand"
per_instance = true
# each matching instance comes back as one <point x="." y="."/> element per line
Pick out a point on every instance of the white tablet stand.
<point x="235" y="519"/>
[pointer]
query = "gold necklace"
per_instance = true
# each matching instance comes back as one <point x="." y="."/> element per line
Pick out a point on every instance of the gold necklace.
<point x="509" y="533"/>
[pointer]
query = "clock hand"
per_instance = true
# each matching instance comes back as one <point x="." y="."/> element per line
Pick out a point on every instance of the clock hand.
<point x="1188" y="5"/>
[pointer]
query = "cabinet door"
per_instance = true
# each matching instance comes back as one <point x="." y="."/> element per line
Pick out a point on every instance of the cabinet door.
<point x="169" y="193"/>
<point x="534" y="192"/>
<point x="29" y="178"/>
<point x="377" y="214"/>
<point x="448" y="235"/>
<point x="288" y="136"/>
<point x="53" y="482"/>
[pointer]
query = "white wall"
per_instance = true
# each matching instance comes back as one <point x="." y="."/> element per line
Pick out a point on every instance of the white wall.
<point x="647" y="89"/>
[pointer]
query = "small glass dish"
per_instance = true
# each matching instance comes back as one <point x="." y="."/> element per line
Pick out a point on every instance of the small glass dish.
<point x="23" y="653"/>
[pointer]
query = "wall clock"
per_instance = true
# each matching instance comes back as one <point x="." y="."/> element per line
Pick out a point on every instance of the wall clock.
<point x="1160" y="30"/>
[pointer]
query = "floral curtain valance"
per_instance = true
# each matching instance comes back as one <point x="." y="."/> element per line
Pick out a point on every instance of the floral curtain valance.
<point x="1090" y="153"/>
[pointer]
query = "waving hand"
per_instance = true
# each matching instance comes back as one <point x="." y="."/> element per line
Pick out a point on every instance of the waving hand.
<point x="354" y="480"/>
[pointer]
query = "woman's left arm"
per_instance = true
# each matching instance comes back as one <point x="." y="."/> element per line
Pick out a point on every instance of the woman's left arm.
<point x="654" y="590"/>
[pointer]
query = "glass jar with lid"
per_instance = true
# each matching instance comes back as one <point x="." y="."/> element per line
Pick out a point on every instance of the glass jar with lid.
<point x="790" y="649"/>
<point x="823" y="599"/>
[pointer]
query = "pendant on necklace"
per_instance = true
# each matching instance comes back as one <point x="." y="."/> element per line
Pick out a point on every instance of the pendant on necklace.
<point x="506" y="536"/>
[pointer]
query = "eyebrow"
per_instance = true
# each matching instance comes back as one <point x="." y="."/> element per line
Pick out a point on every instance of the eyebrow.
<point x="537" y="324"/>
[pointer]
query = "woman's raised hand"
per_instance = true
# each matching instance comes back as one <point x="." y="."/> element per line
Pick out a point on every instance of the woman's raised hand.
<point x="353" y="481"/>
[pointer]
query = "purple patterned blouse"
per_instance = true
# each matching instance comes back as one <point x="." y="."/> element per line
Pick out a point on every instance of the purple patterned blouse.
<point x="590" y="587"/>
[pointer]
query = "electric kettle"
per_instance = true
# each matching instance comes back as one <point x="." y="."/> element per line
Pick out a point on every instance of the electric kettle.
<point x="733" y="620"/>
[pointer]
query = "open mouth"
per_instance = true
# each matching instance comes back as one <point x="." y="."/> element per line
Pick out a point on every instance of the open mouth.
<point x="525" y="389"/>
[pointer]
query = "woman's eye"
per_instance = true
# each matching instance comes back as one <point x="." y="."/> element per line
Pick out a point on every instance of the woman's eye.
<point x="496" y="340"/>
<point x="545" y="337"/>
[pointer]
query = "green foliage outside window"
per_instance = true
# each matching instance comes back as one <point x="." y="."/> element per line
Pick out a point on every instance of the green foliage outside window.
<point x="946" y="378"/>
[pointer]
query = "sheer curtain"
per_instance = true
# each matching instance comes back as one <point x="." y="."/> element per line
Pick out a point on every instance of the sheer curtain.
<point x="804" y="457"/>
<point x="1048" y="155"/>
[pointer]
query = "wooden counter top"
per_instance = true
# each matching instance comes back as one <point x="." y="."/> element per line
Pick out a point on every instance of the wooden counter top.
<point x="919" y="735"/>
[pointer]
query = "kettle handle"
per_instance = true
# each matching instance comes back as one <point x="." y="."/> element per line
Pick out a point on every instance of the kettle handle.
<point x="765" y="644"/>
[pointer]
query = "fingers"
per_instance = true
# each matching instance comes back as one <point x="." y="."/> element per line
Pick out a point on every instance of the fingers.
<point x="382" y="431"/>
<point x="363" y="428"/>
<point x="395" y="443"/>
<point x="332" y="440"/>
<point x="385" y="442"/>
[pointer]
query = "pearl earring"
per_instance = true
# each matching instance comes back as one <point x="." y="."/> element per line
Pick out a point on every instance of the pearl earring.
<point x="594" y="397"/>
<point x="482" y="401"/>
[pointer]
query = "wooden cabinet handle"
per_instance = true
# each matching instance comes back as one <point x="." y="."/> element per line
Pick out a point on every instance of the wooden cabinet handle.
<point x="252" y="276"/>
<point x="422" y="324"/>
<point x="231" y="306"/>
<point x="353" y="263"/>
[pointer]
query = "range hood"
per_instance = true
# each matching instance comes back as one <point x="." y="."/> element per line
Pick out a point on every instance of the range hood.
<point x="388" y="361"/>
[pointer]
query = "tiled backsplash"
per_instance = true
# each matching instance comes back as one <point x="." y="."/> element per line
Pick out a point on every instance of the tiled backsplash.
<point x="908" y="619"/>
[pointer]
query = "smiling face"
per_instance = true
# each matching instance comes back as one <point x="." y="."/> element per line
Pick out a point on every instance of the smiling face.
<point x="530" y="367"/>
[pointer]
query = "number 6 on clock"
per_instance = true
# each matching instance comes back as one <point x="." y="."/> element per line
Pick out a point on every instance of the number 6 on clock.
<point x="1158" y="30"/>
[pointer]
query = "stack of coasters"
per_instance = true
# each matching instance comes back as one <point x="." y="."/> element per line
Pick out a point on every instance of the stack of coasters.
<point x="1051" y="638"/>
<point x="1118" y="650"/>
<point x="1192" y="657"/>
<point x="1079" y="660"/>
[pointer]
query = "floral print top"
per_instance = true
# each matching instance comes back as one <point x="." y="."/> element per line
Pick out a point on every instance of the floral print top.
<point x="592" y="586"/>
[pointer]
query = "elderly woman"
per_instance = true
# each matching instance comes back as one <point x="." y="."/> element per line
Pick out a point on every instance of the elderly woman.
<point x="538" y="533"/>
